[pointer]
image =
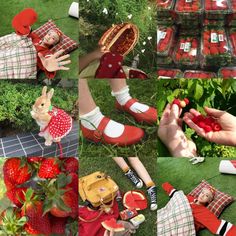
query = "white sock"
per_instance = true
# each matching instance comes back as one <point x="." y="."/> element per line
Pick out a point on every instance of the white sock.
<point x="92" y="120"/>
<point x="123" y="96"/>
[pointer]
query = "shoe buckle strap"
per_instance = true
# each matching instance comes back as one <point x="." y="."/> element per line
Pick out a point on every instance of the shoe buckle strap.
<point x="130" y="103"/>
<point x="100" y="129"/>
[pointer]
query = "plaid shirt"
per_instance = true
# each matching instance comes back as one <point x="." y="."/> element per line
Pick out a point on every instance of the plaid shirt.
<point x="17" y="57"/>
<point x="176" y="218"/>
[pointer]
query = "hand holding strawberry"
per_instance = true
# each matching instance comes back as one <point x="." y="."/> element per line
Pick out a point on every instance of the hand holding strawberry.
<point x="219" y="127"/>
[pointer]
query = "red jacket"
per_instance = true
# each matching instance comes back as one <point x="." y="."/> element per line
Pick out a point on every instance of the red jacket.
<point x="203" y="217"/>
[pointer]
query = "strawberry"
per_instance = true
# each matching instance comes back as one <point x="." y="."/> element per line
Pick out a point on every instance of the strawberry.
<point x="33" y="210"/>
<point x="16" y="196"/>
<point x="181" y="103"/>
<point x="70" y="165"/>
<point x="70" y="199"/>
<point x="16" y="171"/>
<point x="58" y="225"/>
<point x="214" y="50"/>
<point x="49" y="168"/>
<point x="74" y="182"/>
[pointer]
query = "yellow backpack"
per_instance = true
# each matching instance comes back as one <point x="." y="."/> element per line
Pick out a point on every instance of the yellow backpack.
<point x="97" y="188"/>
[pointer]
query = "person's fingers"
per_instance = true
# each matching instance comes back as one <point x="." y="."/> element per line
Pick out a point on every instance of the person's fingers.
<point x="194" y="112"/>
<point x="165" y="115"/>
<point x="58" y="53"/>
<point x="174" y="113"/>
<point x="189" y="115"/>
<point x="214" y="112"/>
<point x="41" y="56"/>
<point x="63" y="57"/>
<point x="62" y="63"/>
<point x="63" y="68"/>
<point x="106" y="233"/>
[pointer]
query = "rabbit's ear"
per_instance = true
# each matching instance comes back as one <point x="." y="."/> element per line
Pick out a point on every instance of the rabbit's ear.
<point x="50" y="94"/>
<point x="44" y="91"/>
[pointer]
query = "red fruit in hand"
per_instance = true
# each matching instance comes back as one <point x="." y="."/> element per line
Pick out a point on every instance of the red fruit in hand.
<point x="16" y="171"/>
<point x="49" y="168"/>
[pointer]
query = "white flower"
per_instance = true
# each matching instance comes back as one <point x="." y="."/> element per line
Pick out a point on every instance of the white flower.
<point x="149" y="38"/>
<point x="144" y="43"/>
<point x="143" y="50"/>
<point x="149" y="8"/>
<point x="130" y="16"/>
<point x="105" y="11"/>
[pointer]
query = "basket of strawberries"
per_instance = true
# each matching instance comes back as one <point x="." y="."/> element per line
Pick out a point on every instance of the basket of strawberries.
<point x="216" y="10"/>
<point x="215" y="50"/>
<point x="227" y="72"/>
<point x="166" y="73"/>
<point x="165" y="37"/>
<point x="198" y="74"/>
<point x="186" y="52"/>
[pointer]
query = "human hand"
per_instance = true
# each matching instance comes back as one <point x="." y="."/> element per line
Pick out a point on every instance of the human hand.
<point x="171" y="134"/>
<point x="226" y="136"/>
<point x="99" y="52"/>
<point x="55" y="62"/>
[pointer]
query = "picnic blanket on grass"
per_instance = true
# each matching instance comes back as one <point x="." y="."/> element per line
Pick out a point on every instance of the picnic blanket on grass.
<point x="18" y="57"/>
<point x="176" y="219"/>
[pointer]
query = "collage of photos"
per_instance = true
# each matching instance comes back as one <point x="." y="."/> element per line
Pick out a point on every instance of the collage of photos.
<point x="118" y="118"/>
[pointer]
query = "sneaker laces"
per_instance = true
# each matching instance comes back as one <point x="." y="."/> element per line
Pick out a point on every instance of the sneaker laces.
<point x="152" y="194"/>
<point x="132" y="176"/>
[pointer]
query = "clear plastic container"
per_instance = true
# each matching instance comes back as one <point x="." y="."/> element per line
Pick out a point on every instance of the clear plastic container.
<point x="165" y="37"/>
<point x="189" y="10"/>
<point x="168" y="73"/>
<point x="187" y="52"/>
<point x="164" y="8"/>
<point x="215" y="51"/>
<point x="231" y="20"/>
<point x="198" y="74"/>
<point x="227" y="72"/>
<point x="216" y="9"/>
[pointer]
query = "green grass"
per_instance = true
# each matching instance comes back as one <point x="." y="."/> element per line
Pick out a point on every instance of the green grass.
<point x="106" y="164"/>
<point x="182" y="175"/>
<point x="46" y="9"/>
<point x="144" y="91"/>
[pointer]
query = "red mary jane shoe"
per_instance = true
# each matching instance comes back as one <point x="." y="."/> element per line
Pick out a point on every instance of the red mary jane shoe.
<point x="131" y="134"/>
<point x="149" y="116"/>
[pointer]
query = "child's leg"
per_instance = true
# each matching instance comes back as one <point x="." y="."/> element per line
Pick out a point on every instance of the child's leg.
<point x="128" y="172"/>
<point x="144" y="175"/>
<point x="140" y="111"/>
<point x="92" y="119"/>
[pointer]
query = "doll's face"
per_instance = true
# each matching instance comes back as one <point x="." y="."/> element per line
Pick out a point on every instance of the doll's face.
<point x="51" y="38"/>
<point x="205" y="197"/>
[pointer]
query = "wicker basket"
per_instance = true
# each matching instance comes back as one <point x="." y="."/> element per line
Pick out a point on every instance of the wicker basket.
<point x="120" y="38"/>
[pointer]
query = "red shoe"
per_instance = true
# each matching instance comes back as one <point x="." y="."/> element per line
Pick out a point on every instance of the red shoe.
<point x="149" y="116"/>
<point x="131" y="134"/>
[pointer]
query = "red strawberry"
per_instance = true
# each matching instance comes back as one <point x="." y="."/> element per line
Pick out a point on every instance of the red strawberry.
<point x="70" y="165"/>
<point x="70" y="199"/>
<point x="37" y="222"/>
<point x="17" y="196"/>
<point x="49" y="168"/>
<point x="58" y="225"/>
<point x="226" y="73"/>
<point x="214" y="50"/>
<point x="74" y="182"/>
<point x="16" y="171"/>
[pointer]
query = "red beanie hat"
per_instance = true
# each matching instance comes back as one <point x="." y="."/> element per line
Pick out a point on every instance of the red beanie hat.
<point x="23" y="20"/>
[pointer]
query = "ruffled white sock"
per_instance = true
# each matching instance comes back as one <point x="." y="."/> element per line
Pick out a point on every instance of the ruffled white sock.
<point x="123" y="96"/>
<point x="92" y="120"/>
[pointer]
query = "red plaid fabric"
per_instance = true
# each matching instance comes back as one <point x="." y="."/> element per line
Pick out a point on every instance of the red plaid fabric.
<point x="221" y="200"/>
<point x="66" y="43"/>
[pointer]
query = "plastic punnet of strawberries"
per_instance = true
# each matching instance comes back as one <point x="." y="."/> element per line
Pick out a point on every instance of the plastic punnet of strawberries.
<point x="165" y="4"/>
<point x="169" y="73"/>
<point x="186" y="51"/>
<point x="215" y="49"/>
<point x="221" y="6"/>
<point x="227" y="72"/>
<point x="44" y="196"/>
<point x="197" y="74"/>
<point x="207" y="123"/>
<point x="165" y="37"/>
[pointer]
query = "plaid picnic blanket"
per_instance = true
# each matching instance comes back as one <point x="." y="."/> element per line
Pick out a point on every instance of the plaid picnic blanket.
<point x="18" y="57"/>
<point x="176" y="219"/>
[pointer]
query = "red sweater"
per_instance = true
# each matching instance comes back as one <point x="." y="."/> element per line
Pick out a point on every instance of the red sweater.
<point x="203" y="217"/>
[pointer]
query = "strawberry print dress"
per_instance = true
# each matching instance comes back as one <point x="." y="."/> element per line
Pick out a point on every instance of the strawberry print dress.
<point x="60" y="124"/>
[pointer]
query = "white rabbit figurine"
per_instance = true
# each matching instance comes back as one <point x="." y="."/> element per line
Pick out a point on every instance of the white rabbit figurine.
<point x="54" y="123"/>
